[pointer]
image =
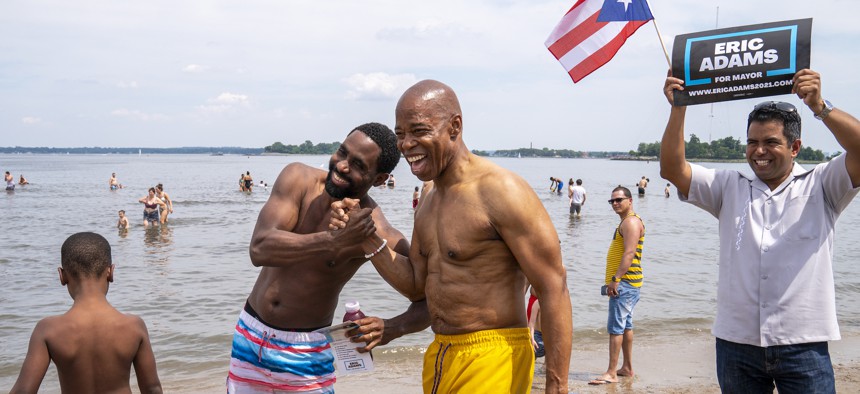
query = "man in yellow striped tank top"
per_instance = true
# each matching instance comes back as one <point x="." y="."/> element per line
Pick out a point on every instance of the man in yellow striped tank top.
<point x="623" y="280"/>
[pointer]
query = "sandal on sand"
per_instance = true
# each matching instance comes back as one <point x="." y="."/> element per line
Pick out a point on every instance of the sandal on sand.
<point x="598" y="382"/>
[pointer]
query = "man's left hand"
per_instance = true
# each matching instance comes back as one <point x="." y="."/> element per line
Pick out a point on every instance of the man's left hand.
<point x="370" y="331"/>
<point x="807" y="85"/>
<point x="612" y="289"/>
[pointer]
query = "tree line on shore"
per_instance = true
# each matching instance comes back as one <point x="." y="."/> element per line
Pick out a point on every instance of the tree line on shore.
<point x="306" y="148"/>
<point x="727" y="148"/>
<point x="233" y="150"/>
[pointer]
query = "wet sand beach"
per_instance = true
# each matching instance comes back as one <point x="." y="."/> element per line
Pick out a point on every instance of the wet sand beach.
<point x="669" y="365"/>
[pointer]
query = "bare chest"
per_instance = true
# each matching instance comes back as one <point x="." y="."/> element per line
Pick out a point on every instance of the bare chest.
<point x="456" y="228"/>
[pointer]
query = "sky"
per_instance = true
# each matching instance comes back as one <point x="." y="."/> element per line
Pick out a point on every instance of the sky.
<point x="227" y="73"/>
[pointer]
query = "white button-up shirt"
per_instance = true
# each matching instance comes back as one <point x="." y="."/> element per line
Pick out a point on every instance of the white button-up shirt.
<point x="775" y="278"/>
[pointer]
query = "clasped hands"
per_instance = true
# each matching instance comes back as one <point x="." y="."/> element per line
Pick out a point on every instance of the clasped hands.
<point x="350" y="223"/>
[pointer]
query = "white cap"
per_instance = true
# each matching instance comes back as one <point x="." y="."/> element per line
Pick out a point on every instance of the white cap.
<point x="352" y="306"/>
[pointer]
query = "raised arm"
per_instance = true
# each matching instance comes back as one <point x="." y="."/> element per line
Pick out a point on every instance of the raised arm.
<point x="35" y="364"/>
<point x="527" y="230"/>
<point x="274" y="244"/>
<point x="144" y="363"/>
<point x="398" y="268"/>
<point x="405" y="272"/>
<point x="400" y="265"/>
<point x="393" y="259"/>
<point x="846" y="128"/>
<point x="673" y="162"/>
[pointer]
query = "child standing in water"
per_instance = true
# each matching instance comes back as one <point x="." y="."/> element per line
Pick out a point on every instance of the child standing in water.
<point x="92" y="345"/>
<point x="122" y="223"/>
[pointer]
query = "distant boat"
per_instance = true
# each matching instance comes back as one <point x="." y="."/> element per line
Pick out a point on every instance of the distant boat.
<point x="519" y="156"/>
<point x="217" y="154"/>
<point x="139" y="152"/>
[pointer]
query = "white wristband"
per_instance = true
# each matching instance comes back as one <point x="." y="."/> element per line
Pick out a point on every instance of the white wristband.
<point x="369" y="255"/>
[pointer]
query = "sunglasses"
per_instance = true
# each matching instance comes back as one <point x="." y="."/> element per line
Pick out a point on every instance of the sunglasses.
<point x="616" y="200"/>
<point x="775" y="105"/>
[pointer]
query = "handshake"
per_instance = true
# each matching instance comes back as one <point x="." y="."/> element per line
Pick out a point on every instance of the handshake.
<point x="344" y="210"/>
<point x="350" y="224"/>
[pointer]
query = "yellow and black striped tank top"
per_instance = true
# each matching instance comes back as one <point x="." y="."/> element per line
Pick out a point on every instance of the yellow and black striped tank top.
<point x="616" y="250"/>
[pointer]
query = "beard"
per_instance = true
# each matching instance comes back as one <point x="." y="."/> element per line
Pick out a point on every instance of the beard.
<point x="336" y="191"/>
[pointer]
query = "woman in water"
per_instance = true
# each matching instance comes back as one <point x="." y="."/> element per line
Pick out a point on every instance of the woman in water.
<point x="168" y="209"/>
<point x="150" y="208"/>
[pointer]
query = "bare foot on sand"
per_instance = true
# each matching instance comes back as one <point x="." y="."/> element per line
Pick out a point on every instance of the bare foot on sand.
<point x="603" y="379"/>
<point x="625" y="372"/>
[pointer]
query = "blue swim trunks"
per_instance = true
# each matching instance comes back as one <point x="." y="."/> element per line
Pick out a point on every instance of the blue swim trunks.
<point x="268" y="360"/>
<point x="621" y="309"/>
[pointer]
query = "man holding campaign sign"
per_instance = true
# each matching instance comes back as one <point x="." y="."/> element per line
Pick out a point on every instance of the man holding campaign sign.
<point x="776" y="305"/>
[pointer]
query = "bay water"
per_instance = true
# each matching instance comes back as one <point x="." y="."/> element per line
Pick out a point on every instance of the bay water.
<point x="188" y="280"/>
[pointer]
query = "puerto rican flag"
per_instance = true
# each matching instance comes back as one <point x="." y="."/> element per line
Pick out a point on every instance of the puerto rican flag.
<point x="592" y="32"/>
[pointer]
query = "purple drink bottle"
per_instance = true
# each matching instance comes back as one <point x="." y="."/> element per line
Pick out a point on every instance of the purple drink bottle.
<point x="353" y="311"/>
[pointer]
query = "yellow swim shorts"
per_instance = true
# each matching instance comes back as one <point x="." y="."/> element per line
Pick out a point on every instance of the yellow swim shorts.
<point x="489" y="361"/>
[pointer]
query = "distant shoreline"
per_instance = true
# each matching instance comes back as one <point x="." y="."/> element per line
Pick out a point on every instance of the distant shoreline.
<point x="235" y="151"/>
<point x="202" y="150"/>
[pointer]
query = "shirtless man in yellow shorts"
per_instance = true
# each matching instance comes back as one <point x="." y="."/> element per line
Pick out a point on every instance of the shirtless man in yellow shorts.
<point x="480" y="232"/>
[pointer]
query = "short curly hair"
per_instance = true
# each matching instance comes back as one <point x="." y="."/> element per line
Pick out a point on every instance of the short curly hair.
<point x="85" y="254"/>
<point x="387" y="142"/>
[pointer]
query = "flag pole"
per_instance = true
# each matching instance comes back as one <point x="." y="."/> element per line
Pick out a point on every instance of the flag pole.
<point x="660" y="36"/>
<point x="662" y="45"/>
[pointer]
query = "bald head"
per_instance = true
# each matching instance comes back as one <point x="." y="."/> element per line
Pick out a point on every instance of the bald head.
<point x="429" y="126"/>
<point x="430" y="96"/>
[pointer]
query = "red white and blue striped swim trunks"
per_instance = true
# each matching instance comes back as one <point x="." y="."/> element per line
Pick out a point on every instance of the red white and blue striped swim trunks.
<point x="268" y="360"/>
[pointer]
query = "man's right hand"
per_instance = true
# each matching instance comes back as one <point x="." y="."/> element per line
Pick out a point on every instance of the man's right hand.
<point x="340" y="213"/>
<point x="357" y="228"/>
<point x="670" y="86"/>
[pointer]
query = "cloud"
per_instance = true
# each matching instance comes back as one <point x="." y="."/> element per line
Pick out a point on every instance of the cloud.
<point x="225" y="102"/>
<point x="194" y="68"/>
<point x="127" y="85"/>
<point x="30" y="120"/>
<point x="427" y="30"/>
<point x="138" y="115"/>
<point x="379" y="85"/>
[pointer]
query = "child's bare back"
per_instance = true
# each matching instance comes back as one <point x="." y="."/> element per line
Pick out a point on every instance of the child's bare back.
<point x="92" y="345"/>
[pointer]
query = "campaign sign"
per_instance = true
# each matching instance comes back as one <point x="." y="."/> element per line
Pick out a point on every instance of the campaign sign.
<point x="740" y="62"/>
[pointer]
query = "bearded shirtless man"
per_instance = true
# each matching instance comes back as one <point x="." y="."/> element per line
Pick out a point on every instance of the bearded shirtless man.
<point x="305" y="267"/>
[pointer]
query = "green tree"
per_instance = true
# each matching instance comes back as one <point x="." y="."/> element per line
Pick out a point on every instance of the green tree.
<point x="807" y="153"/>
<point x="277" y="147"/>
<point x="695" y="148"/>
